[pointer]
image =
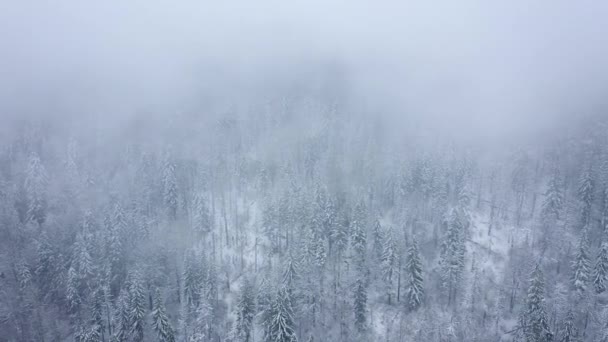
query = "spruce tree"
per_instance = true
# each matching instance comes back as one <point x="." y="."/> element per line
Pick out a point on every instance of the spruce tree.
<point x="359" y="235"/>
<point x="534" y="319"/>
<point x="160" y="320"/>
<point x="73" y="290"/>
<point x="245" y="313"/>
<point x="600" y="271"/>
<point x="553" y="201"/>
<point x="585" y="194"/>
<point x="169" y="187"/>
<point x="377" y="240"/>
<point x="122" y="326"/>
<point x="278" y="321"/>
<point x="414" y="281"/>
<point x="452" y="257"/>
<point x="580" y="266"/>
<point x="388" y="263"/>
<point x="36" y="181"/>
<point x="569" y="333"/>
<point x="137" y="307"/>
<point x="201" y="217"/>
<point x="360" y="305"/>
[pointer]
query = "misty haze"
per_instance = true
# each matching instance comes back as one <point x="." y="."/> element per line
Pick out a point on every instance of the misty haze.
<point x="313" y="171"/>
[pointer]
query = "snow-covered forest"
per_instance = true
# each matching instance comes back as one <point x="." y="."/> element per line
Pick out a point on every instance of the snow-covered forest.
<point x="172" y="183"/>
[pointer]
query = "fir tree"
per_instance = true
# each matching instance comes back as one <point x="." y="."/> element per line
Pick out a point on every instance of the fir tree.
<point x="202" y="218"/>
<point x="452" y="257"/>
<point x="360" y="305"/>
<point x="359" y="235"/>
<point x="97" y="311"/>
<point x="245" y="313"/>
<point x="73" y="292"/>
<point x="169" y="183"/>
<point x="291" y="272"/>
<point x="552" y="203"/>
<point x="585" y="194"/>
<point x="580" y="266"/>
<point x="388" y="262"/>
<point x="160" y="320"/>
<point x="122" y="327"/>
<point x="137" y="307"/>
<point x="600" y="271"/>
<point x="36" y="181"/>
<point x="569" y="333"/>
<point x="534" y="319"/>
<point x="377" y="239"/>
<point x="278" y="321"/>
<point x="414" y="280"/>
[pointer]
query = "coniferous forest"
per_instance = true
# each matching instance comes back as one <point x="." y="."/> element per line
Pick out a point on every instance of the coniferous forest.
<point x="185" y="173"/>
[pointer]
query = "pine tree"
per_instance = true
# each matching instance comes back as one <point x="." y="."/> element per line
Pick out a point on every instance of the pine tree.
<point x="97" y="312"/>
<point x="377" y="240"/>
<point x="137" y="307"/>
<point x="452" y="257"/>
<point x="73" y="292"/>
<point x="278" y="320"/>
<point x="414" y="281"/>
<point x="122" y="327"/>
<point x="569" y="333"/>
<point x="585" y="194"/>
<point x="291" y="273"/>
<point x="169" y="184"/>
<point x="202" y="218"/>
<point x="192" y="278"/>
<point x="580" y="266"/>
<point x="339" y="235"/>
<point x="534" y="319"/>
<point x="388" y="262"/>
<point x="36" y="181"/>
<point x="359" y="235"/>
<point x="360" y="305"/>
<point x="82" y="258"/>
<point x="600" y="271"/>
<point x="552" y="203"/>
<point x="160" y="320"/>
<point x="245" y="313"/>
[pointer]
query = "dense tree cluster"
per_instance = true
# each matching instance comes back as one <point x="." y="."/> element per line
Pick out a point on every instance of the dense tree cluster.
<point x="269" y="225"/>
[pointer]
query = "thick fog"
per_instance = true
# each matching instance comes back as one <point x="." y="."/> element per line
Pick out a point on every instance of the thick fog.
<point x="282" y="171"/>
<point x="482" y="65"/>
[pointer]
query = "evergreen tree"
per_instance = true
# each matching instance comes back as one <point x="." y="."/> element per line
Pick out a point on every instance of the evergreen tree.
<point x="359" y="235"/>
<point x="97" y="309"/>
<point x="552" y="203"/>
<point x="569" y="333"/>
<point x="580" y="266"/>
<point x="389" y="262"/>
<point x="202" y="218"/>
<point x="452" y="257"/>
<point x="377" y="240"/>
<point x="137" y="307"/>
<point x="534" y="319"/>
<point x="360" y="305"/>
<point x="160" y="320"/>
<point x="36" y="181"/>
<point x="291" y="273"/>
<point x="339" y="235"/>
<point x="73" y="292"/>
<point x="169" y="184"/>
<point x="414" y="280"/>
<point x="278" y="321"/>
<point x="600" y="271"/>
<point x="122" y="326"/>
<point x="585" y="194"/>
<point x="245" y="313"/>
